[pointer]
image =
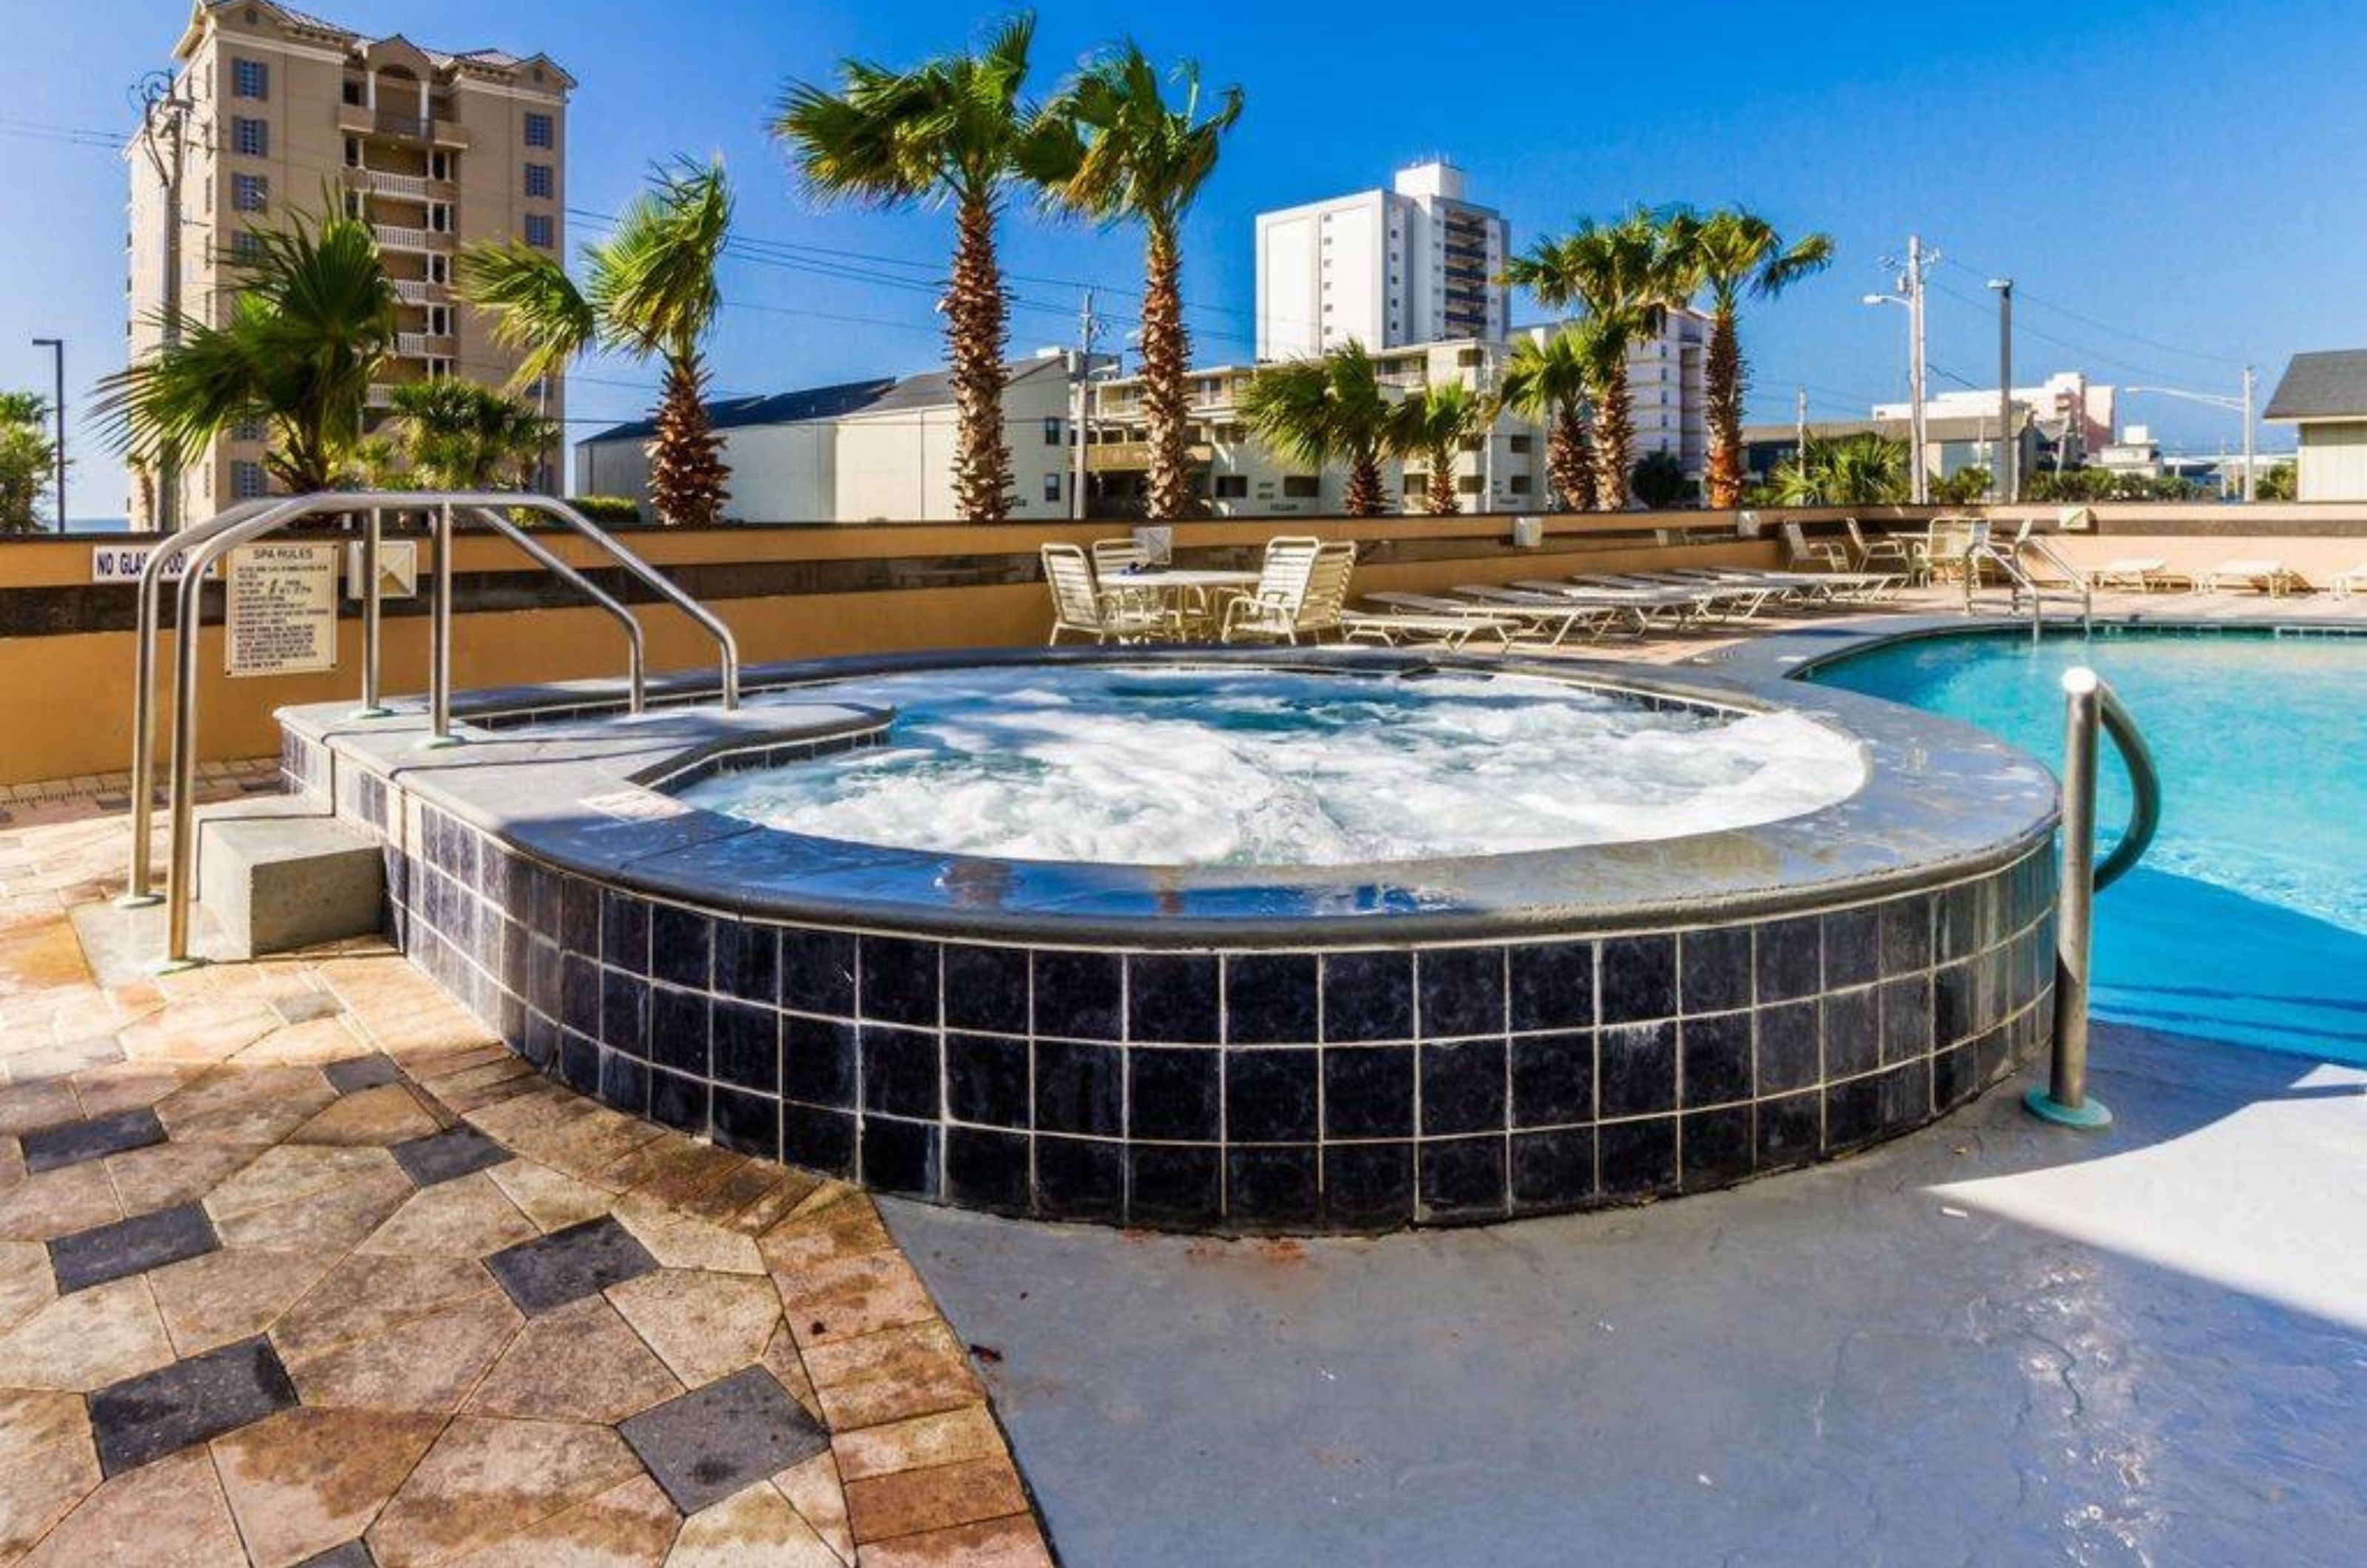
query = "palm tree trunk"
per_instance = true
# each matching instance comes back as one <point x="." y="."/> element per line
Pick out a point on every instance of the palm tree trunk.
<point x="1363" y="495"/>
<point x="1166" y="359"/>
<point x="975" y="329"/>
<point x="1568" y="463"/>
<point x="1724" y="374"/>
<point x="1615" y="434"/>
<point x="687" y="468"/>
<point x="1444" y="502"/>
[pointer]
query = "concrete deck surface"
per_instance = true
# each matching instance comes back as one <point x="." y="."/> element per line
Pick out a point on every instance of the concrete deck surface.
<point x="1992" y="1342"/>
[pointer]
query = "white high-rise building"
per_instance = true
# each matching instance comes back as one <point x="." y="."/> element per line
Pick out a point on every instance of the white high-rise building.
<point x="1413" y="263"/>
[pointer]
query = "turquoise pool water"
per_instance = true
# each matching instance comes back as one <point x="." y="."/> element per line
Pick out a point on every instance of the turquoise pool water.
<point x="2247" y="922"/>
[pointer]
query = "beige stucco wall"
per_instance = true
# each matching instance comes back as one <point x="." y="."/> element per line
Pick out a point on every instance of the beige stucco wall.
<point x="2334" y="460"/>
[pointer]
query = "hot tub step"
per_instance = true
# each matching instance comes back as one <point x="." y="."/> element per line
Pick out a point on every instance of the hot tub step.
<point x="282" y="872"/>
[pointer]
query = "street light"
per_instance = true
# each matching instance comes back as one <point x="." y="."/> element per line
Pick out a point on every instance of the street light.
<point x="57" y="347"/>
<point x="2242" y="405"/>
<point x="1919" y="481"/>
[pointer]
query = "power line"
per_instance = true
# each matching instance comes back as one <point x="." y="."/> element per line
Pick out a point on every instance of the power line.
<point x="2023" y="293"/>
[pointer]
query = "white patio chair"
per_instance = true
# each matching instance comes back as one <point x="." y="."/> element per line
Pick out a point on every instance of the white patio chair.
<point x="1079" y="607"/>
<point x="1271" y="610"/>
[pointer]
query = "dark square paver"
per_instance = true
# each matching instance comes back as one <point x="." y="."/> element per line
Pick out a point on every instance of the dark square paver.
<point x="71" y="1142"/>
<point x="362" y="1072"/>
<point x="565" y="1266"/>
<point x="353" y="1554"/>
<point x="165" y="1411"/>
<point x="447" y="1156"/>
<point x="131" y="1246"/>
<point x="708" y="1444"/>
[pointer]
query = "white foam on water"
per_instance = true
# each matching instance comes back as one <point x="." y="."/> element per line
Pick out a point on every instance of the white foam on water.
<point x="1226" y="766"/>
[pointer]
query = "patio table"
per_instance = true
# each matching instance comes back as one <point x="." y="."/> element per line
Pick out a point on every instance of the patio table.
<point x="1191" y="595"/>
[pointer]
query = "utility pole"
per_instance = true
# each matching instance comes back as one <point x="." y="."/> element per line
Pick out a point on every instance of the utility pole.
<point x="1800" y="428"/>
<point x="57" y="347"/>
<point x="164" y="113"/>
<point x="1913" y="285"/>
<point x="2009" y="473"/>
<point x="1088" y="328"/>
<point x="2250" y="480"/>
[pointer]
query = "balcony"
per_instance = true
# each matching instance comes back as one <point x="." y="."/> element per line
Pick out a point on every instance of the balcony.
<point x="405" y="188"/>
<point x="1126" y="457"/>
<point x="357" y="120"/>
<point x="419" y="291"/>
<point x="397" y="237"/>
<point x="420" y="346"/>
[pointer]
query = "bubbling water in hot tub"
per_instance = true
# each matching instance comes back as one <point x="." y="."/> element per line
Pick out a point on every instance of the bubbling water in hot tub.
<point x="1237" y="765"/>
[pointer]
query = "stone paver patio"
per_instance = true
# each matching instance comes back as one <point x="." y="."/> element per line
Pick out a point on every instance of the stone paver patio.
<point x="298" y="1264"/>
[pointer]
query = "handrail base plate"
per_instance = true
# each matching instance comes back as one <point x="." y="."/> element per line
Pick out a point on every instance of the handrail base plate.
<point x="2087" y="1116"/>
<point x="138" y="900"/>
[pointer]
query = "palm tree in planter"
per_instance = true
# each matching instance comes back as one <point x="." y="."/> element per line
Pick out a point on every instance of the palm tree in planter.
<point x="1317" y="411"/>
<point x="1112" y="148"/>
<point x="459" y="436"/>
<point x="1621" y="278"/>
<point x="1546" y="383"/>
<point x="1433" y="424"/>
<point x="311" y="325"/>
<point x="649" y="292"/>
<point x="1731" y="253"/>
<point x="953" y="129"/>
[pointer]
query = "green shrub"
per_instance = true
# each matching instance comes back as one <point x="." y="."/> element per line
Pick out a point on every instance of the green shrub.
<point x="607" y="508"/>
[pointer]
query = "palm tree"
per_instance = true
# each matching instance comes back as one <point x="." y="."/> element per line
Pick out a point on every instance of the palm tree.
<point x="311" y="325"/>
<point x="1865" y="469"/>
<point x="459" y="436"/>
<point x="1432" y="424"/>
<point x="650" y="291"/>
<point x="1545" y="383"/>
<point x="1621" y="278"/>
<point x="951" y="129"/>
<point x="1112" y="148"/>
<point x="1731" y="253"/>
<point x="1316" y="412"/>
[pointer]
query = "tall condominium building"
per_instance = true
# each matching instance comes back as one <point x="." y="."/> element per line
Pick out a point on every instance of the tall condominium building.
<point x="1412" y="264"/>
<point x="273" y="113"/>
<point x="1668" y="386"/>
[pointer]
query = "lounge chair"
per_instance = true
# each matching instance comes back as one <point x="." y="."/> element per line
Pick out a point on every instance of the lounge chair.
<point x="1888" y="549"/>
<point x="2264" y="575"/>
<point x="2141" y="574"/>
<point x="1398" y="629"/>
<point x="1800" y="552"/>
<point x="1546" y="621"/>
<point x="2343" y="584"/>
<point x="1080" y="608"/>
<point x="1277" y="608"/>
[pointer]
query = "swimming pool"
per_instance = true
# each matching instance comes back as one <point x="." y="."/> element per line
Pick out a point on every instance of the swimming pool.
<point x="2247" y="922"/>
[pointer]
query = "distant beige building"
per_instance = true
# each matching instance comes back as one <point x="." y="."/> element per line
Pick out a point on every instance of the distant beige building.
<point x="275" y="112"/>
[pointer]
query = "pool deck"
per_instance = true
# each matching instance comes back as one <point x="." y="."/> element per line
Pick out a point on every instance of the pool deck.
<point x="295" y="1251"/>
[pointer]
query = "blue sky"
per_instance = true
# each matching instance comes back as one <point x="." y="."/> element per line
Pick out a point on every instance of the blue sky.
<point x="2173" y="187"/>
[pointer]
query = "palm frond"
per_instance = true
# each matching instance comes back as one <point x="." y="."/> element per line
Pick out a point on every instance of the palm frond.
<point x="537" y="310"/>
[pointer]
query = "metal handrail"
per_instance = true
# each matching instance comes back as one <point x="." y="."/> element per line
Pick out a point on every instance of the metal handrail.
<point x="1981" y="547"/>
<point x="635" y="641"/>
<point x="2090" y="705"/>
<point x="200" y="546"/>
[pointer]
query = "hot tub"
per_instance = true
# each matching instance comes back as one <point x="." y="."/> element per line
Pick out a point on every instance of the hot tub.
<point x="1305" y="941"/>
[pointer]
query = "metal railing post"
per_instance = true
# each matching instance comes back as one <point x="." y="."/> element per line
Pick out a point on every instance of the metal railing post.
<point x="2065" y="1100"/>
<point x="372" y="707"/>
<point x="138" y="893"/>
<point x="439" y="637"/>
<point x="181" y="866"/>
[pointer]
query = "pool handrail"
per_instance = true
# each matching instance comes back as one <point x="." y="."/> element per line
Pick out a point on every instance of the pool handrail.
<point x="197" y="548"/>
<point x="2090" y="706"/>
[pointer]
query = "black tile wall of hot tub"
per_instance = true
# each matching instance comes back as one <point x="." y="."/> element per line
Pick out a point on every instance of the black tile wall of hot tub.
<point x="1338" y="1089"/>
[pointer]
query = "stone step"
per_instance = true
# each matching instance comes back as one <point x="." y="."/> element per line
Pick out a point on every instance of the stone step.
<point x="283" y="872"/>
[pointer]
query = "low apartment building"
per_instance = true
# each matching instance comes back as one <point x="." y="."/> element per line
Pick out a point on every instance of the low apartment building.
<point x="274" y="112"/>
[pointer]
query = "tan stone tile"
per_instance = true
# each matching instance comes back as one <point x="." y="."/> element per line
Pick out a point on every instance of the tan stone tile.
<point x="199" y="1030"/>
<point x="387" y="1114"/>
<point x="126" y="1086"/>
<point x="58" y="1202"/>
<point x="678" y="1241"/>
<point x="466" y="1217"/>
<point x="268" y="1116"/>
<point x="578" y="1363"/>
<point x="896" y="1373"/>
<point x="40" y="1486"/>
<point x="170" y="1513"/>
<point x="163" y="1175"/>
<point x="907" y="1501"/>
<point x="813" y="1489"/>
<point x="781" y="1359"/>
<point x="34" y="1419"/>
<point x="842" y="1297"/>
<point x="756" y="1197"/>
<point x="366" y="1294"/>
<point x="333" y="1220"/>
<point x="86" y="1340"/>
<point x="487" y="1479"/>
<point x="697" y="1168"/>
<point x="430" y="1363"/>
<point x="701" y="1326"/>
<point x="847" y="1225"/>
<point x="489" y="1091"/>
<point x="631" y="1526"/>
<point x="23" y="1107"/>
<point x="231" y="1294"/>
<point x="1013" y="1542"/>
<point x="306" y="1480"/>
<point x="316" y="1041"/>
<point x="292" y="1171"/>
<point x="25" y="1284"/>
<point x="950" y="1437"/>
<point x="551" y="1198"/>
<point x="754" y="1526"/>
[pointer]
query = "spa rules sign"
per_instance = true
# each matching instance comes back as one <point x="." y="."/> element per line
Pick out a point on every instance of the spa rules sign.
<point x="280" y="610"/>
